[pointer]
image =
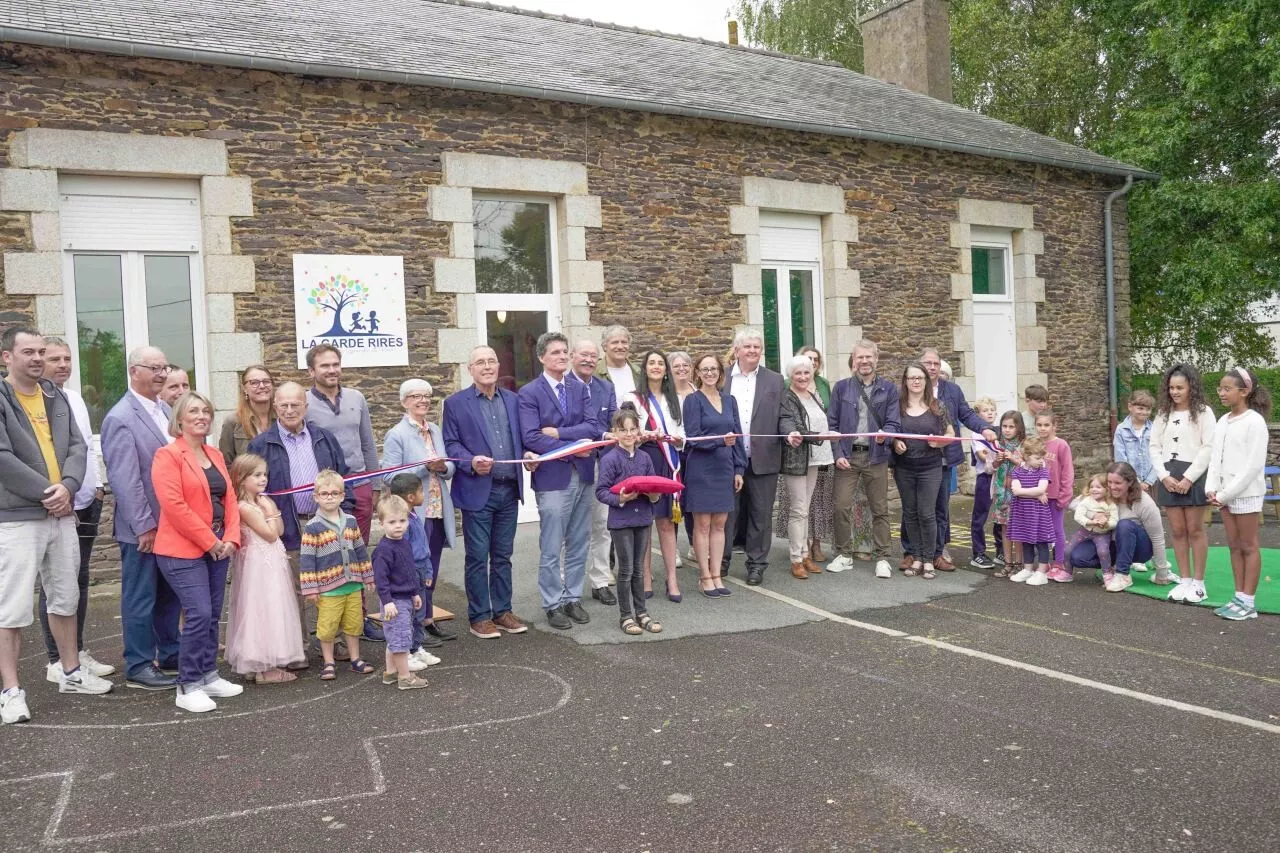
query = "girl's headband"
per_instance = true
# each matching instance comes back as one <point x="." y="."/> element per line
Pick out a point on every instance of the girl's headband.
<point x="1244" y="374"/>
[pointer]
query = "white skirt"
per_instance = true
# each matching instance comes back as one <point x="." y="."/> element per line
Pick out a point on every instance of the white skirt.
<point x="1244" y="506"/>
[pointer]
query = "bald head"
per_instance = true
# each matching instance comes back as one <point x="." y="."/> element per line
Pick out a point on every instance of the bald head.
<point x="484" y="368"/>
<point x="291" y="406"/>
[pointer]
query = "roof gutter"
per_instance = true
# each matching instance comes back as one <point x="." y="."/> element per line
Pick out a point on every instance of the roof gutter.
<point x="1113" y="366"/>
<point x="258" y="63"/>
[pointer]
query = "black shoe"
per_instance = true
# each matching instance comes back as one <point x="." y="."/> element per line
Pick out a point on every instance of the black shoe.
<point x="169" y="667"/>
<point x="575" y="611"/>
<point x="430" y="642"/>
<point x="605" y="596"/>
<point x="556" y="618"/>
<point x="151" y="678"/>
<point x="755" y="577"/>
<point x="440" y="633"/>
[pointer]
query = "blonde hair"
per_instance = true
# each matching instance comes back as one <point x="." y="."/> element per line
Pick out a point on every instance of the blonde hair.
<point x="1034" y="446"/>
<point x="241" y="468"/>
<point x="175" y="417"/>
<point x="1100" y="479"/>
<point x="327" y="477"/>
<point x="985" y="403"/>
<point x="392" y="506"/>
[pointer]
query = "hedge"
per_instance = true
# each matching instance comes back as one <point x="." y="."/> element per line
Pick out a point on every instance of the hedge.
<point x="1268" y="376"/>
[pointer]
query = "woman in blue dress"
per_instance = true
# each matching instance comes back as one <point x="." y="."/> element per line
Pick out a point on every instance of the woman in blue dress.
<point x="713" y="472"/>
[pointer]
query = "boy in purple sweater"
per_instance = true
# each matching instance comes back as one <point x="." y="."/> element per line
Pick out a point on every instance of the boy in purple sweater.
<point x="396" y="579"/>
<point x="630" y="519"/>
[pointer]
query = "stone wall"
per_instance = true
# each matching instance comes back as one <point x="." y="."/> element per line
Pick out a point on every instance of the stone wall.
<point x="340" y="166"/>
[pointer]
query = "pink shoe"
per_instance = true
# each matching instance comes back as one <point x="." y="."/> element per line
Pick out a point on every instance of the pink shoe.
<point x="1106" y="577"/>
<point x="1059" y="574"/>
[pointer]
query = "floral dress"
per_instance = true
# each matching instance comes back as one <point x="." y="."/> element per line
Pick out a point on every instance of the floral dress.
<point x="1001" y="483"/>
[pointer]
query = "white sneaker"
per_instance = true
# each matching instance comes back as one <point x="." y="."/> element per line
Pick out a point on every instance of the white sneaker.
<point x="97" y="667"/>
<point x="1022" y="574"/>
<point x="415" y="665"/>
<point x="53" y="672"/>
<point x="883" y="569"/>
<point x="1038" y="579"/>
<point x="13" y="707"/>
<point x="1119" y="583"/>
<point x="1195" y="593"/>
<point x="1138" y="567"/>
<point x="423" y="657"/>
<point x="82" y="681"/>
<point x="1179" y="591"/>
<point x="1164" y="576"/>
<point x="220" y="688"/>
<point x="195" y="700"/>
<point x="841" y="563"/>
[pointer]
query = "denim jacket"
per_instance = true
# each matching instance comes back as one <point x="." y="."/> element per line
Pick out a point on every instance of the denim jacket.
<point x="1133" y="447"/>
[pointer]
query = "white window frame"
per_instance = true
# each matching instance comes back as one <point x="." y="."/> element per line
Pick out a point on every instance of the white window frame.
<point x="993" y="238"/>
<point x="782" y="269"/>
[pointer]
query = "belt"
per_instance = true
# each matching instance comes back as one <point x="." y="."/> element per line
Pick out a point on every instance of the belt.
<point x="862" y="448"/>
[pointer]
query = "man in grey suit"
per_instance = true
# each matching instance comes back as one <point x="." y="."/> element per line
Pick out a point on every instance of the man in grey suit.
<point x="757" y="392"/>
<point x="132" y="432"/>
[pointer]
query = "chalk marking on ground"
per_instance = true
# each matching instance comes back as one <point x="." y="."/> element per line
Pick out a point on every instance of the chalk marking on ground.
<point x="1061" y="633"/>
<point x="1016" y="664"/>
<point x="378" y="777"/>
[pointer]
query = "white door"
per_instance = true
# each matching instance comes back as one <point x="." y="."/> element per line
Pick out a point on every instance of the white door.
<point x="994" y="331"/>
<point x="791" y="285"/>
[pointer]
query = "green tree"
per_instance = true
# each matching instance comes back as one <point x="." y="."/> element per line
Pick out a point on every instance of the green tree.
<point x="1186" y="88"/>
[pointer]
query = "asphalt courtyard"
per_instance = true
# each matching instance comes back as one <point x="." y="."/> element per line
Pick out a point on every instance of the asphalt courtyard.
<point x="837" y="713"/>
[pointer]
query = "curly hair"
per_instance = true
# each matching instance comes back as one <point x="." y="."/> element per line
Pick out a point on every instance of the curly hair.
<point x="1195" y="390"/>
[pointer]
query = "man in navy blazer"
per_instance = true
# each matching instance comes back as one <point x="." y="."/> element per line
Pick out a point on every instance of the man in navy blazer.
<point x="863" y="403"/>
<point x="959" y="412"/>
<point x="604" y="403"/>
<point x="135" y="428"/>
<point x="555" y="411"/>
<point x="481" y="424"/>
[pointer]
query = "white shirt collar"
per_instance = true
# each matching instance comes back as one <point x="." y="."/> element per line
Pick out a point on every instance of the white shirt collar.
<point x="738" y="371"/>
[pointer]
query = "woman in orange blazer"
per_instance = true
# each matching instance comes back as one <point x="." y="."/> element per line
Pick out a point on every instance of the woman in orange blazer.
<point x="199" y="531"/>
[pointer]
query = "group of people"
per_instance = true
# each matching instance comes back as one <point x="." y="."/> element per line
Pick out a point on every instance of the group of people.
<point x="284" y="500"/>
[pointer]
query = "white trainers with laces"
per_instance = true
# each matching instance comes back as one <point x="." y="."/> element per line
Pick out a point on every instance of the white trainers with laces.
<point x="1195" y="593"/>
<point x="82" y="681"/>
<point x="423" y="657"/>
<point x="194" y="700"/>
<point x="13" y="707"/>
<point x="1138" y="567"/>
<point x="1119" y="583"/>
<point x="1179" y="591"/>
<point x="415" y="665"/>
<point x="97" y="667"/>
<point x="53" y="672"/>
<point x="220" y="688"/>
<point x="841" y="563"/>
<point x="883" y="569"/>
<point x="1023" y="574"/>
<point x="1038" y="579"/>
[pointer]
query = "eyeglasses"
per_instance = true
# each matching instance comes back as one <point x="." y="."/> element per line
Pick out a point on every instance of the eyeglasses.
<point x="417" y="398"/>
<point x="258" y="383"/>
<point x="329" y="494"/>
<point x="486" y="362"/>
<point x="156" y="368"/>
<point x="708" y="370"/>
<point x="915" y="378"/>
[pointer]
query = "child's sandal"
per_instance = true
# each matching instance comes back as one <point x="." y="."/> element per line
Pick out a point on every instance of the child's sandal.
<point x="1003" y="572"/>
<point x="648" y="623"/>
<point x="361" y="667"/>
<point x="328" y="672"/>
<point x="630" y="626"/>
<point x="912" y="570"/>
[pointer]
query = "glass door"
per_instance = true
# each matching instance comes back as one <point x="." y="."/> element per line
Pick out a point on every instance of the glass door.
<point x="792" y="311"/>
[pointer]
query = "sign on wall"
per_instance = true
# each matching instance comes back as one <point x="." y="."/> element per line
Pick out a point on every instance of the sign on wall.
<point x="352" y="302"/>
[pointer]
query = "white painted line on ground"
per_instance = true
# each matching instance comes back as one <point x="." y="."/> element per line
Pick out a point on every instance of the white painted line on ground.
<point x="1017" y="664"/>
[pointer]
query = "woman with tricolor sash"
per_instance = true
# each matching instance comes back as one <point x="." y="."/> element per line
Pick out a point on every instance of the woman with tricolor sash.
<point x="662" y="438"/>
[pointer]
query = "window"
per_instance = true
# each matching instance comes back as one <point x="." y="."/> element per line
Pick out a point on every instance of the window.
<point x="516" y="288"/>
<point x="132" y="263"/>
<point x="790" y="285"/>
<point x="988" y="271"/>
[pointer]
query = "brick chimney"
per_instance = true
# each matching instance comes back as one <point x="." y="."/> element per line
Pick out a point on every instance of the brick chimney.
<point x="909" y="42"/>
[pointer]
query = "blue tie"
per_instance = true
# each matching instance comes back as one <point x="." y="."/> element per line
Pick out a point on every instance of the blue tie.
<point x="564" y="404"/>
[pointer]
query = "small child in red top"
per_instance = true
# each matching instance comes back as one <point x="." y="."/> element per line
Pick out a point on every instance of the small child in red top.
<point x="396" y="578"/>
<point x="1062" y="485"/>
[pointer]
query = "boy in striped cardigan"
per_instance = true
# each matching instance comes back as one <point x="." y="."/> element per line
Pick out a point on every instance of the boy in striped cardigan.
<point x="334" y="569"/>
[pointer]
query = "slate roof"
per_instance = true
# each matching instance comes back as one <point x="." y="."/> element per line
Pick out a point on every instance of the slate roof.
<point x="487" y="48"/>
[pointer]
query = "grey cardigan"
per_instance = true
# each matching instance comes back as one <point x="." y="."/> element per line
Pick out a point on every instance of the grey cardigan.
<point x="23" y="473"/>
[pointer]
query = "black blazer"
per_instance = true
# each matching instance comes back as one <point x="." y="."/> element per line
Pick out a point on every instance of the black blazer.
<point x="766" y="410"/>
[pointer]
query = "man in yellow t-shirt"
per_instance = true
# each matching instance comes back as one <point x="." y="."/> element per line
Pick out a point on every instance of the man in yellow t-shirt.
<point x="33" y="405"/>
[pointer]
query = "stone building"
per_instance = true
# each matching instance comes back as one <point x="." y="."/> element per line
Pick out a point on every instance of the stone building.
<point x="161" y="165"/>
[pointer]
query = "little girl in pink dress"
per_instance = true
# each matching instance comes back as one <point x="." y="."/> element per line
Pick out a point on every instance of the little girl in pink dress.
<point x="264" y="632"/>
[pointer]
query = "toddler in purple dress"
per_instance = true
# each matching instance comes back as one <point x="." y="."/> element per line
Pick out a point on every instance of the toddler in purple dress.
<point x="1030" y="519"/>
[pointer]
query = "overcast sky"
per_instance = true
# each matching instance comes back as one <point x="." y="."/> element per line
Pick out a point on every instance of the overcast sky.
<point x="701" y="18"/>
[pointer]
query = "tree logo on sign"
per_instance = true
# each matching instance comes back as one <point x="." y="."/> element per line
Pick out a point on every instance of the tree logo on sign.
<point x="338" y="293"/>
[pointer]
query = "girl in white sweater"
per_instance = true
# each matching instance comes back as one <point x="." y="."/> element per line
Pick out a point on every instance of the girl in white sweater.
<point x="1181" y="435"/>
<point x="1236" y="483"/>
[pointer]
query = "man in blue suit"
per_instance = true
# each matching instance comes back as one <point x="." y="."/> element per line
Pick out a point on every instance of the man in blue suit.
<point x="959" y="412"/>
<point x="555" y="412"/>
<point x="132" y="432"/>
<point x="481" y="424"/>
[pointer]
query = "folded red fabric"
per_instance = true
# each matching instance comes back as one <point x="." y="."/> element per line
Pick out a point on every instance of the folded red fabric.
<point x="649" y="485"/>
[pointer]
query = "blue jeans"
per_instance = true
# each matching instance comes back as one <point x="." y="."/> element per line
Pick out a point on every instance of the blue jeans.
<point x="489" y="537"/>
<point x="148" y="611"/>
<point x="200" y="585"/>
<point x="565" y="518"/>
<point x="1130" y="544"/>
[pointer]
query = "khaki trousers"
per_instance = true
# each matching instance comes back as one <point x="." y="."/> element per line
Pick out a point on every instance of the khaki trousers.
<point x="875" y="481"/>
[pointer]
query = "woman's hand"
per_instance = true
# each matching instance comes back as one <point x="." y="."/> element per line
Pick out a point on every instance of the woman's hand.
<point x="794" y="438"/>
<point x="438" y="466"/>
<point x="730" y="439"/>
<point x="899" y="446"/>
<point x="1184" y="486"/>
<point x="737" y="483"/>
<point x="1170" y="484"/>
<point x="389" y="610"/>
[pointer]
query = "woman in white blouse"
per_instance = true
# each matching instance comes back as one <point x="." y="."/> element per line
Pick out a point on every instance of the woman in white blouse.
<point x="662" y="437"/>
<point x="1181" y="438"/>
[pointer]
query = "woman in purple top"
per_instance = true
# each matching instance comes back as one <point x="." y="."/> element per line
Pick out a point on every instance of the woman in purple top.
<point x="1030" y="517"/>
<point x="630" y="518"/>
<point x="918" y="467"/>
